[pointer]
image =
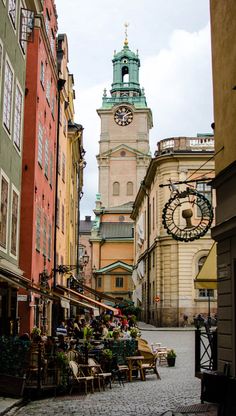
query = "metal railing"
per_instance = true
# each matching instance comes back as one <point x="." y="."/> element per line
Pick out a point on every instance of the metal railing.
<point x="205" y="350"/>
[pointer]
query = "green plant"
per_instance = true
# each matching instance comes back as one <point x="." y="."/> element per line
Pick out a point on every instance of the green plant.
<point x="134" y="332"/>
<point x="107" y="354"/>
<point x="36" y="331"/>
<point x="171" y="354"/>
<point x="88" y="331"/>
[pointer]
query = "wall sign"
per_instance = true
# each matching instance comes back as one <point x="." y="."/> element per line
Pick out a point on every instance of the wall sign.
<point x="187" y="215"/>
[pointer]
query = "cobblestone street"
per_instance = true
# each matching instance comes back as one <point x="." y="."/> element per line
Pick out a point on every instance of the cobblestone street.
<point x="177" y="387"/>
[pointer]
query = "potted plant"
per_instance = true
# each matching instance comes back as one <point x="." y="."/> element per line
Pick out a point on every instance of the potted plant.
<point x="171" y="356"/>
<point x="116" y="333"/>
<point x="134" y="332"/>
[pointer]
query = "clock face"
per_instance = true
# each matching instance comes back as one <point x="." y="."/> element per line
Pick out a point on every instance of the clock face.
<point x="187" y="216"/>
<point x="123" y="116"/>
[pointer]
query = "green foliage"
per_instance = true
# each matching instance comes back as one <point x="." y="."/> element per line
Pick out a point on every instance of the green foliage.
<point x="134" y="332"/>
<point x="14" y="356"/>
<point x="88" y="331"/>
<point x="107" y="354"/>
<point x="132" y="310"/>
<point x="36" y="331"/>
<point x="171" y="354"/>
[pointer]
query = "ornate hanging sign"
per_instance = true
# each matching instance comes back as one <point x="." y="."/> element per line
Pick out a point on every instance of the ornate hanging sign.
<point x="187" y="215"/>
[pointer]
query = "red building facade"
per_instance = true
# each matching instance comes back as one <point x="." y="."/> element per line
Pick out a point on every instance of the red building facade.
<point x="38" y="171"/>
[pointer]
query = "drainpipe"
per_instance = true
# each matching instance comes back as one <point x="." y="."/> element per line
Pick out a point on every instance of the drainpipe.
<point x="148" y="254"/>
<point x="60" y="85"/>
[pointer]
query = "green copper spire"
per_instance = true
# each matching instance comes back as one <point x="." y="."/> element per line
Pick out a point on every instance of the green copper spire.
<point x="125" y="86"/>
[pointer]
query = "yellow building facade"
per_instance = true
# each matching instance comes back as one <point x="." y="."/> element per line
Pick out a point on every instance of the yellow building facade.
<point x="165" y="267"/>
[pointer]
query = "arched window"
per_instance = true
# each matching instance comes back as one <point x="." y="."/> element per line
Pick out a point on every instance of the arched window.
<point x="130" y="188"/>
<point x="201" y="261"/>
<point x="116" y="188"/>
<point x="125" y="74"/>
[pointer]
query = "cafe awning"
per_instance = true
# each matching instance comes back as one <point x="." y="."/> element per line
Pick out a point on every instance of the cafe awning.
<point x="90" y="300"/>
<point x="207" y="276"/>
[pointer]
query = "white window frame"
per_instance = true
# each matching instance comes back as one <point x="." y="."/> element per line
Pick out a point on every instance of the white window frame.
<point x="42" y="74"/>
<point x="38" y="229"/>
<point x="40" y="142"/>
<point x="1" y="68"/>
<point x="9" y="131"/>
<point x="46" y="158"/>
<point x="13" y="22"/>
<point x="22" y="43"/>
<point x="14" y="189"/>
<point x="2" y="174"/>
<point x="19" y="129"/>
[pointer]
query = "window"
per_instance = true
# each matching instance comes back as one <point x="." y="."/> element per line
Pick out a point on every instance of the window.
<point x="40" y="145"/>
<point x="18" y="118"/>
<point x="49" y="241"/>
<point x="52" y="42"/>
<point x="119" y="281"/>
<point x="4" y="212"/>
<point x="53" y="106"/>
<point x="7" y="99"/>
<point x="206" y="293"/>
<point x="99" y="282"/>
<point x="47" y="22"/>
<point x="44" y="235"/>
<point x="12" y="11"/>
<point x="63" y="167"/>
<point x="38" y="229"/>
<point x="201" y="261"/>
<point x="204" y="189"/>
<point x="48" y="90"/>
<point x="129" y="188"/>
<point x="14" y="222"/>
<point x="116" y="188"/>
<point x="46" y="160"/>
<point x="42" y="73"/>
<point x="63" y="218"/>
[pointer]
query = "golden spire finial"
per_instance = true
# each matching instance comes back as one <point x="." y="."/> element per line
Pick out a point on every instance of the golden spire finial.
<point x="126" y="33"/>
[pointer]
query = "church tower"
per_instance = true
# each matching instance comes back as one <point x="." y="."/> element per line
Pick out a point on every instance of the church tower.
<point x="124" y="152"/>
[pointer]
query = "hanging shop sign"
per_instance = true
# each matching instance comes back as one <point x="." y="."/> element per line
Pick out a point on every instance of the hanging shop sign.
<point x="187" y="215"/>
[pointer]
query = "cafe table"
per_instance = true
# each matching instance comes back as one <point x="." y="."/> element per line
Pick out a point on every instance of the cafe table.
<point x="135" y="363"/>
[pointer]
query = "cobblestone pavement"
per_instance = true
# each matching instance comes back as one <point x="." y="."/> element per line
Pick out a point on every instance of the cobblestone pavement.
<point x="178" y="387"/>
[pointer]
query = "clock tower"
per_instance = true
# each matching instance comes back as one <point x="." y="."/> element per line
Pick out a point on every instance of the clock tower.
<point x="124" y="152"/>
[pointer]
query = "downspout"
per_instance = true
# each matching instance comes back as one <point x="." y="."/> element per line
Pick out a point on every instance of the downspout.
<point x="148" y="246"/>
<point x="60" y="85"/>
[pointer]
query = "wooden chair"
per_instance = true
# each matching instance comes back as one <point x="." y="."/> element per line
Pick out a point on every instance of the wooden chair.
<point x="98" y="373"/>
<point x="150" y="359"/>
<point x="79" y="378"/>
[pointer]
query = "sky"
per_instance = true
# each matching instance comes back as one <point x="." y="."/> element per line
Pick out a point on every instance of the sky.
<point x="173" y="40"/>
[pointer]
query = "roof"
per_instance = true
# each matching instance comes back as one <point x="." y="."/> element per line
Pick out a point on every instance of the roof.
<point x="116" y="230"/>
<point x="85" y="226"/>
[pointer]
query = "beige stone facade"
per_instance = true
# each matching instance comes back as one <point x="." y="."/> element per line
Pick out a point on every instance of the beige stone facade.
<point x="165" y="268"/>
<point x="124" y="155"/>
<point x="223" y="34"/>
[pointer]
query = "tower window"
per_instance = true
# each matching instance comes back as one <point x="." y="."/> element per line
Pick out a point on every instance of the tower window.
<point x="125" y="74"/>
<point x="122" y="153"/>
<point x="116" y="188"/>
<point x="130" y="189"/>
